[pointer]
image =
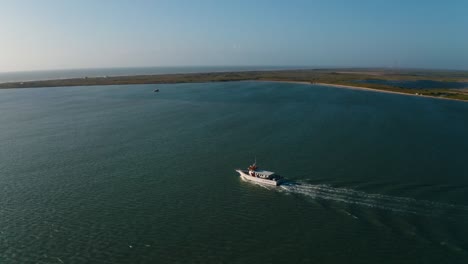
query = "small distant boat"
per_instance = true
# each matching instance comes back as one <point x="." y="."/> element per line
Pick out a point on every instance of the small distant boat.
<point x="254" y="174"/>
<point x="156" y="90"/>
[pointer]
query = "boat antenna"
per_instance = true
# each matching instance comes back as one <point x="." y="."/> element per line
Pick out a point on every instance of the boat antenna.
<point x="255" y="163"/>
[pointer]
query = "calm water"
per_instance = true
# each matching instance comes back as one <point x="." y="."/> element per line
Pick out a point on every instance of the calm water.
<point x="119" y="174"/>
<point x="419" y="84"/>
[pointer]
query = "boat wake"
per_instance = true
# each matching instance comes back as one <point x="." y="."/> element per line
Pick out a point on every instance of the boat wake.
<point x="379" y="201"/>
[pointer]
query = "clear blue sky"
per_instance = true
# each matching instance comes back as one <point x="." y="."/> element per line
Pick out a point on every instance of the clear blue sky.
<point x="48" y="34"/>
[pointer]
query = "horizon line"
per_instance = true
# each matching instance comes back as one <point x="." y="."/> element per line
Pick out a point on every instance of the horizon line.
<point x="285" y="67"/>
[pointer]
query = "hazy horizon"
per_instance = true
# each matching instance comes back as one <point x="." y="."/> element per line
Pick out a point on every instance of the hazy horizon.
<point x="58" y="35"/>
<point x="240" y="67"/>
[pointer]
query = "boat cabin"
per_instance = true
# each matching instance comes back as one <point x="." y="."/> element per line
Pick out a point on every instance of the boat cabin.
<point x="261" y="173"/>
<point x="255" y="172"/>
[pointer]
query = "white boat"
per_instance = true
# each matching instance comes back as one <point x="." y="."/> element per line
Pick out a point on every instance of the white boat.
<point x="254" y="174"/>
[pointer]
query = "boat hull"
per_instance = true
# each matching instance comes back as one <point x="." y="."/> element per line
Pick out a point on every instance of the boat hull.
<point x="247" y="177"/>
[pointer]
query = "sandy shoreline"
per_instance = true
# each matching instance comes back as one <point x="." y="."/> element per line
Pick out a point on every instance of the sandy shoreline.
<point x="170" y="79"/>
<point x="385" y="91"/>
<point x="363" y="89"/>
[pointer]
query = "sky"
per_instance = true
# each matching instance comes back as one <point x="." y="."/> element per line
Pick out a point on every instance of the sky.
<point x="65" y="34"/>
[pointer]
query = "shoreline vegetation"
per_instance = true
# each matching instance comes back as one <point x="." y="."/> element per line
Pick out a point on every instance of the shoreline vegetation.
<point x="340" y="78"/>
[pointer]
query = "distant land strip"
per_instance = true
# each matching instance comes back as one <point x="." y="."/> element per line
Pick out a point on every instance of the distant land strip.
<point x="343" y="78"/>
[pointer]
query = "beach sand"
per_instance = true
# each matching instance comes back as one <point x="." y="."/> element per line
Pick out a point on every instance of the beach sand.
<point x="362" y="89"/>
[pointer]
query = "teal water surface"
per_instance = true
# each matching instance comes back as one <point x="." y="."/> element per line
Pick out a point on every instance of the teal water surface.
<point x="119" y="174"/>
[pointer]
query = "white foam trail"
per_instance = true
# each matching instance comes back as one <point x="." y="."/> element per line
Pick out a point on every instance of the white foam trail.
<point x="385" y="202"/>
